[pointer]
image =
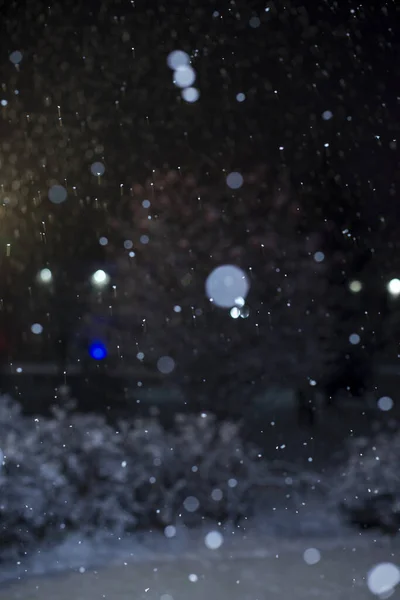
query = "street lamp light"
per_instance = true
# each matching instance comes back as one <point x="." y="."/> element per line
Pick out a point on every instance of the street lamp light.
<point x="393" y="287"/>
<point x="100" y="278"/>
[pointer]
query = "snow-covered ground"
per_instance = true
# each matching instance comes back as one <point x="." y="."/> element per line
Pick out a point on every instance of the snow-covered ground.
<point x="245" y="566"/>
<point x="266" y="560"/>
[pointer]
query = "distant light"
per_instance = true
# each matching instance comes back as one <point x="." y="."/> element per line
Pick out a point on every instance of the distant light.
<point x="45" y="275"/>
<point x="319" y="257"/>
<point x="16" y="57"/>
<point x="240" y="97"/>
<point x="234" y="180"/>
<point x="190" y="94"/>
<point x="97" y="350"/>
<point x="103" y="241"/>
<point x="146" y="203"/>
<point x="184" y="76"/>
<point x="354" y="339"/>
<point x="177" y="308"/>
<point x="177" y="58"/>
<point x="37" y="328"/>
<point x="225" y="284"/>
<point x="144" y="239"/>
<point x="98" y="169"/>
<point x="131" y="254"/>
<point x="57" y="194"/>
<point x="355" y="286"/>
<point x="165" y="365"/>
<point x="4" y="102"/>
<point x="100" y="278"/>
<point x="393" y="287"/>
<point x="235" y="312"/>
<point x="385" y="403"/>
<point x="128" y="244"/>
<point x="327" y="114"/>
<point x="140" y="356"/>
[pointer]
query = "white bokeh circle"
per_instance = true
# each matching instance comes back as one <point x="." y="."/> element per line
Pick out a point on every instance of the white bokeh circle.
<point x="226" y="284"/>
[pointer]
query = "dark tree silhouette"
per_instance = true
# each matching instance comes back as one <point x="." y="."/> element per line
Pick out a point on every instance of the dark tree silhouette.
<point x="352" y="250"/>
<point x="179" y="231"/>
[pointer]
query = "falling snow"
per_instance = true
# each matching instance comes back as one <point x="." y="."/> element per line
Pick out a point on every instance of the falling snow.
<point x="199" y="309"/>
<point x="225" y="284"/>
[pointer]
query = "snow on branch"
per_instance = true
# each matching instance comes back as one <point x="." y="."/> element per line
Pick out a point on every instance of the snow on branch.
<point x="75" y="472"/>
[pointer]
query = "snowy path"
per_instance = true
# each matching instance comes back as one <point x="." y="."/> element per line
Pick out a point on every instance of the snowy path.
<point x="277" y="571"/>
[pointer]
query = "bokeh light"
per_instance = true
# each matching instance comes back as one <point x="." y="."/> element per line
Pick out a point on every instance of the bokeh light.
<point x="184" y="76"/>
<point x="319" y="257"/>
<point x="355" y="286"/>
<point x="354" y="339"/>
<point x="45" y="276"/>
<point x="98" y="169"/>
<point x="214" y="540"/>
<point x="385" y="403"/>
<point x="311" y="556"/>
<point x="37" y="328"/>
<point x="191" y="504"/>
<point x="234" y="180"/>
<point x="225" y="284"/>
<point x="16" y="57"/>
<point x="97" y="350"/>
<point x="190" y="94"/>
<point x="165" y="365"/>
<point x="100" y="278"/>
<point x="383" y="578"/>
<point x="57" y="194"/>
<point x="177" y="58"/>
<point x="393" y="287"/>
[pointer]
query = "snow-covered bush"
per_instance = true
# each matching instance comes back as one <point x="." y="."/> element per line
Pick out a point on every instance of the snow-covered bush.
<point x="76" y="472"/>
<point x="367" y="488"/>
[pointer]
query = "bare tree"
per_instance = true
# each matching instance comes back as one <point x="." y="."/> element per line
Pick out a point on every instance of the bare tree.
<point x="179" y="231"/>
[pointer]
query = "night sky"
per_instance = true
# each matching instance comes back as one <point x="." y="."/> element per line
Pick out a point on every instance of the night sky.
<point x="84" y="82"/>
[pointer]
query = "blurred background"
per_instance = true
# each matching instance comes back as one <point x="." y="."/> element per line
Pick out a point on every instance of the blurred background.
<point x="198" y="215"/>
<point x="136" y="159"/>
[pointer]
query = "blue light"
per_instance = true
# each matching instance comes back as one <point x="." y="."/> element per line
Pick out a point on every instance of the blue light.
<point x="97" y="350"/>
